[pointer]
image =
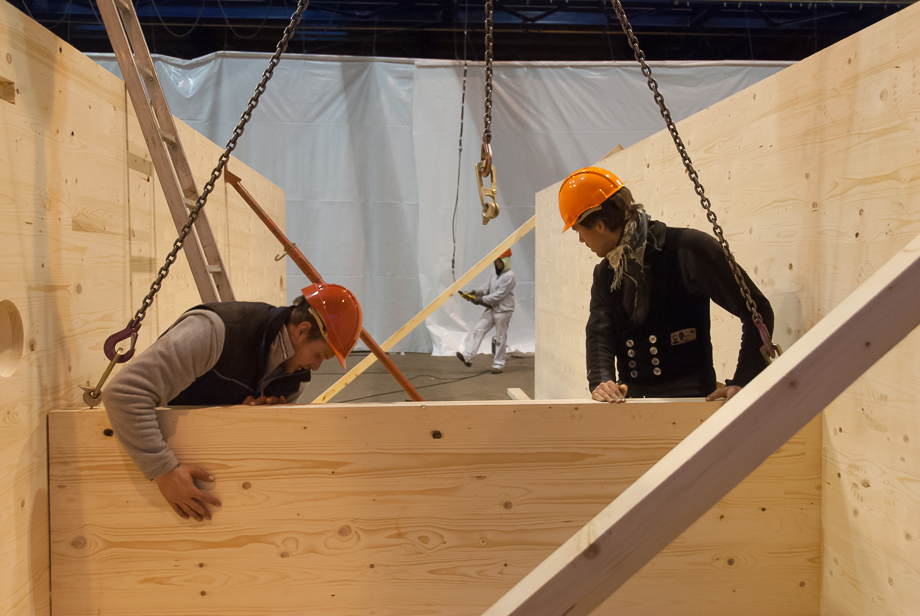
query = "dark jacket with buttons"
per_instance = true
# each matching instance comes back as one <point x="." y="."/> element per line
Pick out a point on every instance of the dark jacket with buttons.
<point x="668" y="351"/>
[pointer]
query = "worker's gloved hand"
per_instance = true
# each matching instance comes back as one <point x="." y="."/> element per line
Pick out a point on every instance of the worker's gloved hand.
<point x="609" y="391"/>
<point x="179" y="489"/>
<point x="726" y="392"/>
<point x="250" y="401"/>
<point x="478" y="294"/>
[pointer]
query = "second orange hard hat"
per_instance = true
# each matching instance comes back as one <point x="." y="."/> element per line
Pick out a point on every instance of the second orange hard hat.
<point x="584" y="190"/>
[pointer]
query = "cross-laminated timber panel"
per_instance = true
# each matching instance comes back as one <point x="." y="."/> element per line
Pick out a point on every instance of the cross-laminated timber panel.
<point x="414" y="508"/>
<point x="815" y="175"/>
<point x="83" y="230"/>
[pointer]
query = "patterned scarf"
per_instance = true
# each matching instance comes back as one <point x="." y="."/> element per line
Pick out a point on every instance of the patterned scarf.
<point x="628" y="256"/>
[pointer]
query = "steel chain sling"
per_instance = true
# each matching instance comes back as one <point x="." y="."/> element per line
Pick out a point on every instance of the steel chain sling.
<point x="91" y="396"/>
<point x="485" y="168"/>
<point x="770" y="349"/>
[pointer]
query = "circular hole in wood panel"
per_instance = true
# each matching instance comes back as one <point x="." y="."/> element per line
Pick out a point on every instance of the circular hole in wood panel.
<point x="10" y="338"/>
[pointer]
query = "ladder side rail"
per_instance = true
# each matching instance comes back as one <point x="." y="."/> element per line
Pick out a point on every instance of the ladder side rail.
<point x="170" y="136"/>
<point x="160" y="158"/>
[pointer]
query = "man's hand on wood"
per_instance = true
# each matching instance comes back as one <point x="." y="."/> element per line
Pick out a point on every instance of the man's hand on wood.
<point x="723" y="392"/>
<point x="179" y="489"/>
<point x="250" y="401"/>
<point x="609" y="391"/>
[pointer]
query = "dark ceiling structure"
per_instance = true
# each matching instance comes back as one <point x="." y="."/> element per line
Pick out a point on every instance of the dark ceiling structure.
<point x="568" y="30"/>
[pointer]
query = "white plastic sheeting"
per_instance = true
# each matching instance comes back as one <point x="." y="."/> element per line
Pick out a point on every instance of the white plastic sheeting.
<point x="367" y="153"/>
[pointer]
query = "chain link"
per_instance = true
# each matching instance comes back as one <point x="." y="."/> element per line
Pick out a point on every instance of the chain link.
<point x="221" y="163"/>
<point x="487" y="118"/>
<point x="688" y="164"/>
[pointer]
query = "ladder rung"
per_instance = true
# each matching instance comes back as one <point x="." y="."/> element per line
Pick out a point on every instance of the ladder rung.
<point x="214" y="269"/>
<point x="190" y="203"/>
<point x="169" y="138"/>
<point x="124" y="5"/>
<point x="146" y="73"/>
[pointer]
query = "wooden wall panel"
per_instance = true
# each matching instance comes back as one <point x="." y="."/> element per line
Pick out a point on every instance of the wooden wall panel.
<point x="814" y="175"/>
<point x="357" y="509"/>
<point x="77" y="229"/>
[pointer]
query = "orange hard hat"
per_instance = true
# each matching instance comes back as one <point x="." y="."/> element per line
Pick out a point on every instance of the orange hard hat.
<point x="507" y="253"/>
<point x="340" y="316"/>
<point x="585" y="190"/>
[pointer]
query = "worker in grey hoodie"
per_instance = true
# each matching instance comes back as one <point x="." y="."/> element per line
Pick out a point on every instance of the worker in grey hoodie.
<point x="224" y="353"/>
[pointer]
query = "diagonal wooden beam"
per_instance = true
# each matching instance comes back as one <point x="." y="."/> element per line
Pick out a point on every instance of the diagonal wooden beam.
<point x="714" y="458"/>
<point x="439" y="301"/>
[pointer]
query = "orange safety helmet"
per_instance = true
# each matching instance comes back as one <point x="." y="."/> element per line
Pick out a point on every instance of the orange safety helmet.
<point x="339" y="315"/>
<point x="583" y="191"/>
<point x="507" y="253"/>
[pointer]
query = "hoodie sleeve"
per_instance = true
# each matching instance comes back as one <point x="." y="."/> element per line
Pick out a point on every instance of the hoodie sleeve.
<point x="186" y="351"/>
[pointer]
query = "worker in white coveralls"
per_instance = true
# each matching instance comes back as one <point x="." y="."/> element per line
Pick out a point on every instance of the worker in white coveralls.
<point x="224" y="353"/>
<point x="498" y="298"/>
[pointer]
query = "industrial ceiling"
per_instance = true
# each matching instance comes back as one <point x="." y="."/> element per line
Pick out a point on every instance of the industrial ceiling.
<point x="569" y="30"/>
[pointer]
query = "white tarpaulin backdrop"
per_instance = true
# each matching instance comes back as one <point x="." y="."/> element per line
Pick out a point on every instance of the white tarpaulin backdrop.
<point x="367" y="153"/>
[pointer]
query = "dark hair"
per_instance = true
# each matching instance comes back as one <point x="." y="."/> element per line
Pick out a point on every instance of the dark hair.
<point x="300" y="312"/>
<point x="612" y="212"/>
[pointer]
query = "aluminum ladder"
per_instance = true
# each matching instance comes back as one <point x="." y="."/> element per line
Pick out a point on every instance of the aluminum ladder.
<point x="165" y="148"/>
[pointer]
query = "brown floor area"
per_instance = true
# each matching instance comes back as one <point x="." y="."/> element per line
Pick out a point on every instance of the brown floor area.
<point x="435" y="378"/>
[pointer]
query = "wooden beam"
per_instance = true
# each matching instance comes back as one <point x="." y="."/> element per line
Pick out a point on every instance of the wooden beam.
<point x="439" y="301"/>
<point x="718" y="455"/>
<point x="516" y="393"/>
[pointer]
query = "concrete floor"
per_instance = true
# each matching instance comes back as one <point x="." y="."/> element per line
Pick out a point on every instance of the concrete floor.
<point x="435" y="378"/>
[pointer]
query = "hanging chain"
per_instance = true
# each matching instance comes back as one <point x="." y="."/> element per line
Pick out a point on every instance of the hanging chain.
<point x="487" y="118"/>
<point x="221" y="163"/>
<point x="485" y="168"/>
<point x="694" y="176"/>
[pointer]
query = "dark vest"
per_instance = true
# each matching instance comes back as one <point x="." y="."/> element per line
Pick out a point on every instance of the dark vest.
<point x="251" y="328"/>
<point x="670" y="354"/>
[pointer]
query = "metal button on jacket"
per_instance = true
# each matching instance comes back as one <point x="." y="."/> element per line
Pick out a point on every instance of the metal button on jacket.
<point x="630" y="343"/>
<point x="634" y="374"/>
<point x="656" y="371"/>
<point x="655" y="361"/>
<point x="632" y="364"/>
<point x="631" y="353"/>
<point x="653" y="339"/>
<point x="653" y="351"/>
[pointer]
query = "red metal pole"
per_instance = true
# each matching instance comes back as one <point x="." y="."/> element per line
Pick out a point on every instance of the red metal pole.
<point x="311" y="273"/>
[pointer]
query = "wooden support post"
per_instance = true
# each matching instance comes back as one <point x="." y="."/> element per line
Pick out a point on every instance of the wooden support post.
<point x="439" y="301"/>
<point x="719" y="454"/>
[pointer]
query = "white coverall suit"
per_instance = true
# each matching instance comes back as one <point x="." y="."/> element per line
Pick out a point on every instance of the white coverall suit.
<point x="498" y="296"/>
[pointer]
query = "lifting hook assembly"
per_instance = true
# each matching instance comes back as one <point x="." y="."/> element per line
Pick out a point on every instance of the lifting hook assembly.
<point x="93" y="395"/>
<point x="770" y="350"/>
<point x="485" y="168"/>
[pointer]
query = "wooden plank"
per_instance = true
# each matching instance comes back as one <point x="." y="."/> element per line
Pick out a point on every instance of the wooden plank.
<point x="78" y="244"/>
<point x="436" y="303"/>
<point x="357" y="509"/>
<point x="717" y="456"/>
<point x="516" y="393"/>
<point x="813" y="173"/>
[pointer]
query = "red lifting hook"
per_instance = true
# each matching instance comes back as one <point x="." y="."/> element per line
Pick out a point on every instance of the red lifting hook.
<point x="112" y="342"/>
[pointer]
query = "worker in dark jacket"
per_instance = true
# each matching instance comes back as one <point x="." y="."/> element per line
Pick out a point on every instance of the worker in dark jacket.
<point x="648" y="332"/>
<point x="221" y="354"/>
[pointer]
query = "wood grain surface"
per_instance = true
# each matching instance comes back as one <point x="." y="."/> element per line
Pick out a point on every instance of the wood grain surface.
<point x="83" y="231"/>
<point x="414" y="508"/>
<point x="814" y="175"/>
